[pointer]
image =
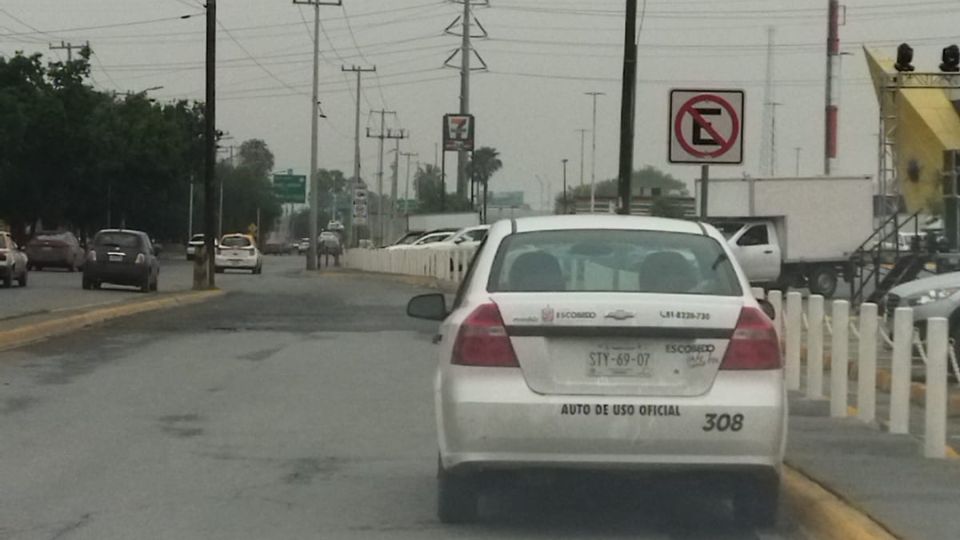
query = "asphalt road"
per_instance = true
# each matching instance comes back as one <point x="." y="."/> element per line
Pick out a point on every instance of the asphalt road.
<point x="53" y="290"/>
<point x="295" y="407"/>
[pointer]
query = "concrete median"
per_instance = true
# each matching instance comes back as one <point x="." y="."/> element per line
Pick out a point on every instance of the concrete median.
<point x="72" y="321"/>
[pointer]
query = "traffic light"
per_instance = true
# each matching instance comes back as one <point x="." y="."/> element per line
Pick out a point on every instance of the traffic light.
<point x="951" y="59"/>
<point x="904" y="58"/>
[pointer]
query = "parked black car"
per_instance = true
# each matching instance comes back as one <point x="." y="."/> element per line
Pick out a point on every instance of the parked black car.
<point x="121" y="257"/>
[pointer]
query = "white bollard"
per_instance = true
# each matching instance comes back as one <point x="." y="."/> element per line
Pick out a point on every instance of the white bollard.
<point x="776" y="300"/>
<point x="839" y="359"/>
<point x="935" y="434"/>
<point x="867" y="364"/>
<point x="902" y="358"/>
<point x="758" y="293"/>
<point x="815" y="347"/>
<point x="793" y="329"/>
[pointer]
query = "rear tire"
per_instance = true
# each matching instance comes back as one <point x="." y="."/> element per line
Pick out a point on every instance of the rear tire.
<point x="823" y="281"/>
<point x="87" y="284"/>
<point x="756" y="500"/>
<point x="22" y="280"/>
<point x="146" y="285"/>
<point x="458" y="497"/>
<point x="8" y="279"/>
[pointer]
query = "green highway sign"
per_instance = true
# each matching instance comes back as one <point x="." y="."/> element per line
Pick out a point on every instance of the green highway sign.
<point x="290" y="188"/>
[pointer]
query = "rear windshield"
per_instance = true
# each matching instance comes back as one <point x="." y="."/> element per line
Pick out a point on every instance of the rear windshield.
<point x="235" y="241"/>
<point x="197" y="238"/>
<point x="613" y="261"/>
<point x="117" y="239"/>
<point x="55" y="236"/>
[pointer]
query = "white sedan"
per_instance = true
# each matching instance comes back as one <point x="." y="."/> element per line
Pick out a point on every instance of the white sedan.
<point x="607" y="343"/>
<point x="239" y="251"/>
<point x="422" y="242"/>
<point x="466" y="237"/>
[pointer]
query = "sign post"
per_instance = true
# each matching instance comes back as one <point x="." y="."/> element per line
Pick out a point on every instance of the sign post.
<point x="706" y="128"/>
<point x="458" y="135"/>
<point x="290" y="188"/>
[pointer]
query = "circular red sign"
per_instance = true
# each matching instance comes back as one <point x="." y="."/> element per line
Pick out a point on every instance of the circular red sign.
<point x="689" y="108"/>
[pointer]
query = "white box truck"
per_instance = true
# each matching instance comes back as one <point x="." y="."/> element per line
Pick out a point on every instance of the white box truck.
<point x="798" y="232"/>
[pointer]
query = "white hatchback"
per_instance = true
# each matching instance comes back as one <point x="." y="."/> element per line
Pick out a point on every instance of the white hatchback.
<point x="239" y="251"/>
<point x="604" y="343"/>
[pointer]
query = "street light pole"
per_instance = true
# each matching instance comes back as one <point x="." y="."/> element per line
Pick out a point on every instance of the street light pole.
<point x="565" y="209"/>
<point x="593" y="158"/>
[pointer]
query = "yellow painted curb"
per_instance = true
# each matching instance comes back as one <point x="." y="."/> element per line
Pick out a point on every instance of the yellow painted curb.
<point x="826" y="516"/>
<point x="16" y="337"/>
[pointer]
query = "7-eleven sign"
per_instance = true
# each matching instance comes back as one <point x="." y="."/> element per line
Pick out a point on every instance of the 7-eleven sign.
<point x="458" y="132"/>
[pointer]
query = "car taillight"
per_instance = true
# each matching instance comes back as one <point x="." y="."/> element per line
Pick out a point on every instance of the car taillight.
<point x="140" y="258"/>
<point x="754" y="344"/>
<point x="92" y="256"/>
<point x="483" y="340"/>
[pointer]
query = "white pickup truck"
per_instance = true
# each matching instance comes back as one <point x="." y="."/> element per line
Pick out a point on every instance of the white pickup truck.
<point x="793" y="232"/>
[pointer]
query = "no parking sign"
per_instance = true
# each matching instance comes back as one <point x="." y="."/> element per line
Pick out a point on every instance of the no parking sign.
<point x="706" y="127"/>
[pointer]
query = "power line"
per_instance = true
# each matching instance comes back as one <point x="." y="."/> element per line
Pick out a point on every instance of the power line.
<point x="353" y="37"/>
<point x="255" y="61"/>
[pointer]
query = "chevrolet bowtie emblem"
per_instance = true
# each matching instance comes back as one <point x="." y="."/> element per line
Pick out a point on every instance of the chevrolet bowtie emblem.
<point x="620" y="315"/>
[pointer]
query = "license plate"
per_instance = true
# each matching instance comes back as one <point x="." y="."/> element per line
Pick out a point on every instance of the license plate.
<point x="116" y="258"/>
<point x="236" y="262"/>
<point x="620" y="361"/>
<point x="47" y="248"/>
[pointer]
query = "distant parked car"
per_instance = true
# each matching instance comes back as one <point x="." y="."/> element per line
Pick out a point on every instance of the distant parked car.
<point x="55" y="249"/>
<point x="303" y="246"/>
<point x="194" y="245"/>
<point x="13" y="262"/>
<point x="121" y="257"/>
<point x="239" y="251"/>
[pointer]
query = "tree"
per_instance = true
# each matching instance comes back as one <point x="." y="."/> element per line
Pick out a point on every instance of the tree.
<point x="483" y="165"/>
<point x="644" y="181"/>
<point x="430" y="193"/>
<point x="247" y="189"/>
<point x="255" y="155"/>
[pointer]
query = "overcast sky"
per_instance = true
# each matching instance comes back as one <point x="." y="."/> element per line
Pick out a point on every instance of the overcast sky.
<point x="542" y="56"/>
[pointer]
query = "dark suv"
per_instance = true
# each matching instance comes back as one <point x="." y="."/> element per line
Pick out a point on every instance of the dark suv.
<point x="121" y="257"/>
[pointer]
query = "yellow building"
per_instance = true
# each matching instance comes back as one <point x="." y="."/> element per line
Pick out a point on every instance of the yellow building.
<point x="921" y="123"/>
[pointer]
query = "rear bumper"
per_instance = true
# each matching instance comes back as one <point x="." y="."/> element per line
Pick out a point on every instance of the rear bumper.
<point x="53" y="259"/>
<point x="5" y="271"/>
<point x="246" y="263"/>
<point x="492" y="420"/>
<point x="120" y="274"/>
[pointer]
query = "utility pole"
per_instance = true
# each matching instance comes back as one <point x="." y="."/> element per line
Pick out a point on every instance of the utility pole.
<point x="356" y="135"/>
<point x="190" y="212"/>
<point x="69" y="47"/>
<point x="382" y="134"/>
<point x="406" y="188"/>
<point x="396" y="180"/>
<point x="210" y="140"/>
<point x="466" y="52"/>
<point x="627" y="107"/>
<point x="462" y="159"/>
<point x="314" y="137"/>
<point x="593" y="158"/>
<point x="583" y="133"/>
<point x="565" y="210"/>
<point x="831" y="113"/>
<point x="773" y="137"/>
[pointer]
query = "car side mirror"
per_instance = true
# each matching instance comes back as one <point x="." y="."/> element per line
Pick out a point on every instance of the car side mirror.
<point x="432" y="307"/>
<point x="767" y="308"/>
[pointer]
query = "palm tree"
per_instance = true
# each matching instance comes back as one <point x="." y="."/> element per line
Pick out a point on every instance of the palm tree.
<point x="483" y="165"/>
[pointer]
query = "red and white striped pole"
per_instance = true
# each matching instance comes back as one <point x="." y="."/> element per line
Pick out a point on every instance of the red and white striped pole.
<point x="831" y="112"/>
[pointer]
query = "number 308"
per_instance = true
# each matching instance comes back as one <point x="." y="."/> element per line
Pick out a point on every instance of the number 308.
<point x="723" y="422"/>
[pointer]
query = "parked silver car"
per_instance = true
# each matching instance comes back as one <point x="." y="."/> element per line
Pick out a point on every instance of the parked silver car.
<point x="13" y="262"/>
<point x="934" y="296"/>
